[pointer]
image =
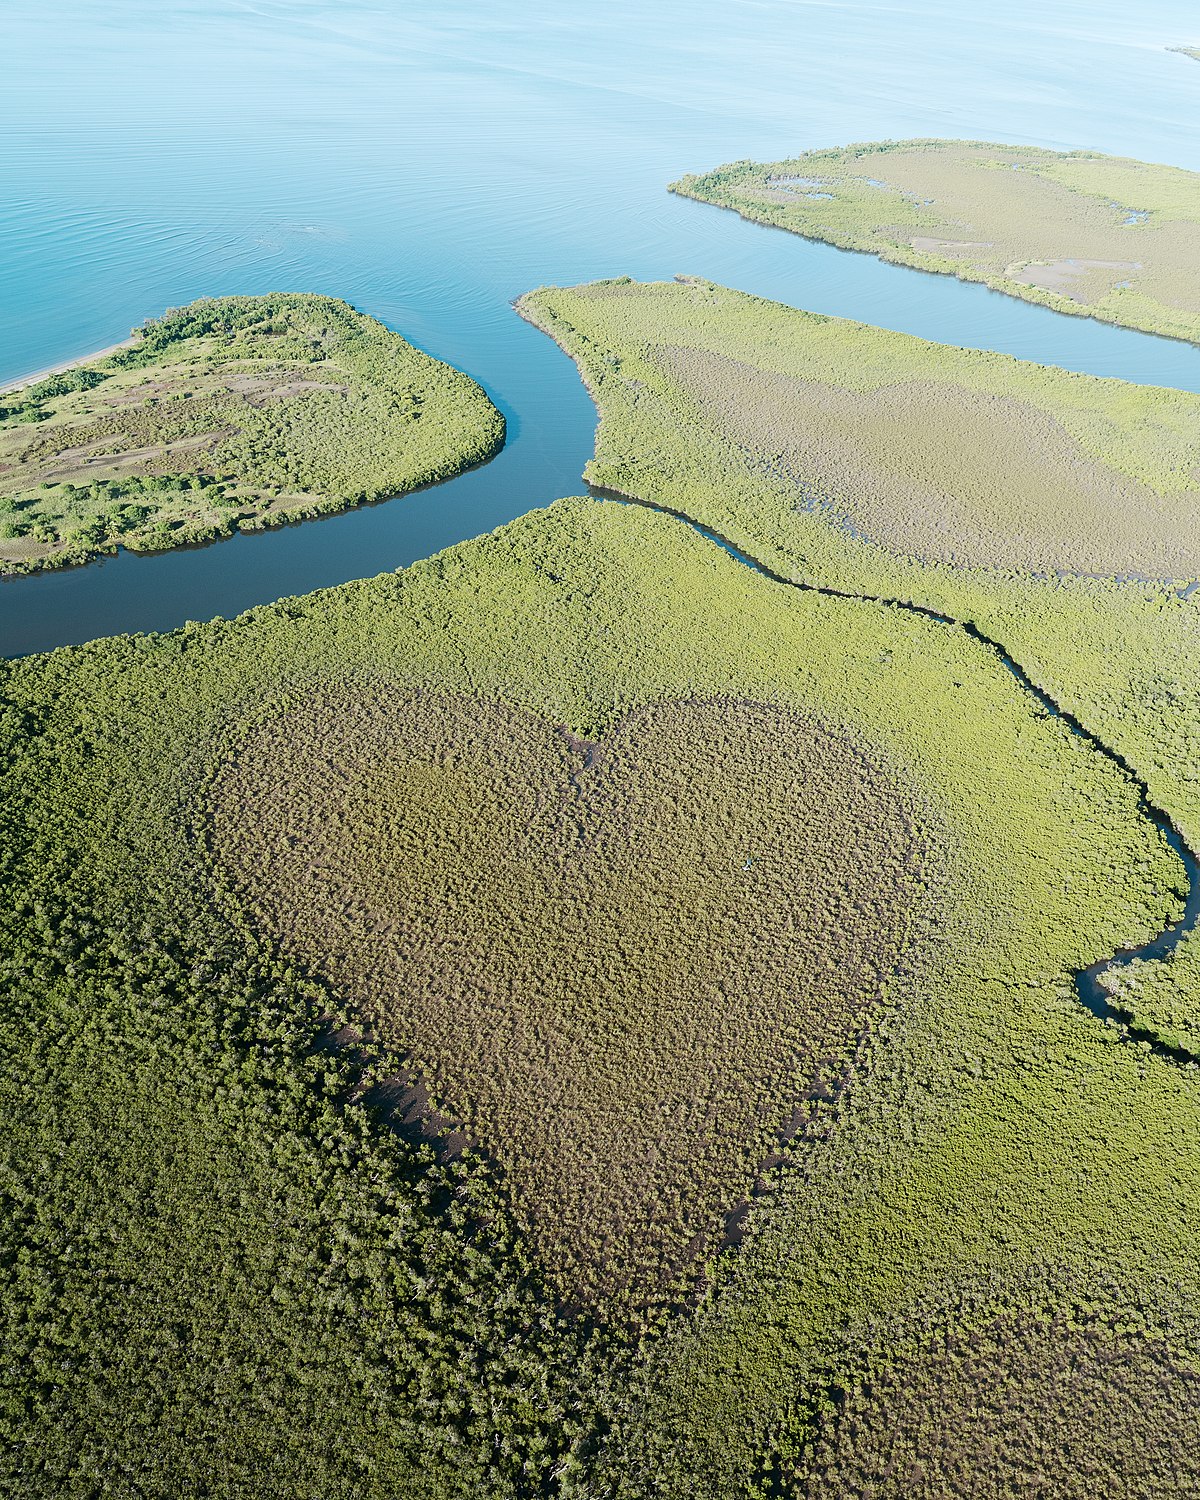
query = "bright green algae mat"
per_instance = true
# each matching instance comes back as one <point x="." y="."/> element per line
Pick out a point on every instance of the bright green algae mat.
<point x="707" y="400"/>
<point x="233" y="412"/>
<point x="1107" y="237"/>
<point x="225" y="1271"/>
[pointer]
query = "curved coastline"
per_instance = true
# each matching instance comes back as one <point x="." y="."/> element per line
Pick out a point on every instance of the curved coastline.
<point x="67" y="364"/>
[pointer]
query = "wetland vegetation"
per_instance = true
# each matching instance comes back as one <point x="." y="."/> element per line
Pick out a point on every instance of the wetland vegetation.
<point x="1103" y="236"/>
<point x="581" y="1017"/>
<point x="1119" y="651"/>
<point x="235" y="412"/>
<point x="943" y="455"/>
<point x="230" y="1255"/>
<point x="1070" y="1401"/>
<point x="1078" y="1235"/>
<point x="621" y="965"/>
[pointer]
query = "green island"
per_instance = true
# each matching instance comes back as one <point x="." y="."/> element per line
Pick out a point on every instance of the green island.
<point x="1101" y="236"/>
<point x="232" y="413"/>
<point x="871" y="429"/>
<point x="293" y="1205"/>
<point x="1193" y="52"/>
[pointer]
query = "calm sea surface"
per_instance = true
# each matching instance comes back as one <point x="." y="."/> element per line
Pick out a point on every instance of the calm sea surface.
<point x="430" y="163"/>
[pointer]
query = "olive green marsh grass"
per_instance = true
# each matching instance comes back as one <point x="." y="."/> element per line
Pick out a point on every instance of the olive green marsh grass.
<point x="1072" y="1397"/>
<point x="938" y="454"/>
<point x="232" y="413"/>
<point x="228" y="1268"/>
<point x="798" y="459"/>
<point x="1107" y="237"/>
<point x="998" y="1167"/>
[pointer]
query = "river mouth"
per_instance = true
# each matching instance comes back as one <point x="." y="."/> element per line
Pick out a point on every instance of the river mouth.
<point x="512" y="156"/>
<point x="551" y="426"/>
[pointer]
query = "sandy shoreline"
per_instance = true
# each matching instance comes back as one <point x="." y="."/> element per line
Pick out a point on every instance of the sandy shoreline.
<point x="66" y="364"/>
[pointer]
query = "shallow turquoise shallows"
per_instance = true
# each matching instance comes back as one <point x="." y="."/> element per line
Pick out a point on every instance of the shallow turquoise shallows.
<point x="429" y="163"/>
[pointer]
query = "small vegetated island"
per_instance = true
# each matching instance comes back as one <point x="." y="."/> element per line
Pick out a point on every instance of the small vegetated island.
<point x="1103" y="236"/>
<point x="235" y="412"/>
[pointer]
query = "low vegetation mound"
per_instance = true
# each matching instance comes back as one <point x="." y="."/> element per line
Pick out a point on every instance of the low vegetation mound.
<point x="1019" y="1409"/>
<point x="1162" y="996"/>
<point x="949" y="455"/>
<point x="621" y="965"/>
<point x="1106" y="236"/>
<point x="232" y="412"/>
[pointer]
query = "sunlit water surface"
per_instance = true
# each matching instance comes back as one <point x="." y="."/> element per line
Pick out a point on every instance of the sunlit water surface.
<point x="430" y="163"/>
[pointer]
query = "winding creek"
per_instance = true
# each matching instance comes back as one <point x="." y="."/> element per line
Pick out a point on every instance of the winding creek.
<point x="159" y="591"/>
<point x="138" y="592"/>
<point x="1088" y="982"/>
<point x="551" y="432"/>
<point x="430" y="167"/>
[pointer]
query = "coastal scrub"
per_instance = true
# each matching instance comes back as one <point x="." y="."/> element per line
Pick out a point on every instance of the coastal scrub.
<point x="267" y="1215"/>
<point x="232" y="413"/>
<point x="938" y="454"/>
<point x="1121" y="653"/>
<point x="1105" y="237"/>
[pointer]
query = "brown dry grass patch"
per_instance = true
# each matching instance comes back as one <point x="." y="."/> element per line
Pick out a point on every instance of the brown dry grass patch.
<point x="1005" y="214"/>
<point x="1018" y="221"/>
<point x="621" y="966"/>
<point x="939" y="472"/>
<point x="1024" y="1409"/>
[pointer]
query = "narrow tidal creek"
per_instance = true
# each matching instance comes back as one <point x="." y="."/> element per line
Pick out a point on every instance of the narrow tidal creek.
<point x="1088" y="982"/>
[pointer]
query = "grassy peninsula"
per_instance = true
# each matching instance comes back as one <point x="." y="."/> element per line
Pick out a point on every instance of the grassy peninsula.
<point x="234" y="412"/>
<point x="283" y="1195"/>
<point x="939" y="454"/>
<point x="1102" y="236"/>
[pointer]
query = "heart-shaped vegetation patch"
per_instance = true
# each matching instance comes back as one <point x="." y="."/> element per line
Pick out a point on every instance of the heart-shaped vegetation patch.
<point x="620" y="966"/>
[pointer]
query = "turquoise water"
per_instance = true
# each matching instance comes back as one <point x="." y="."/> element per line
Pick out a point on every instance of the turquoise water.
<point x="429" y="164"/>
